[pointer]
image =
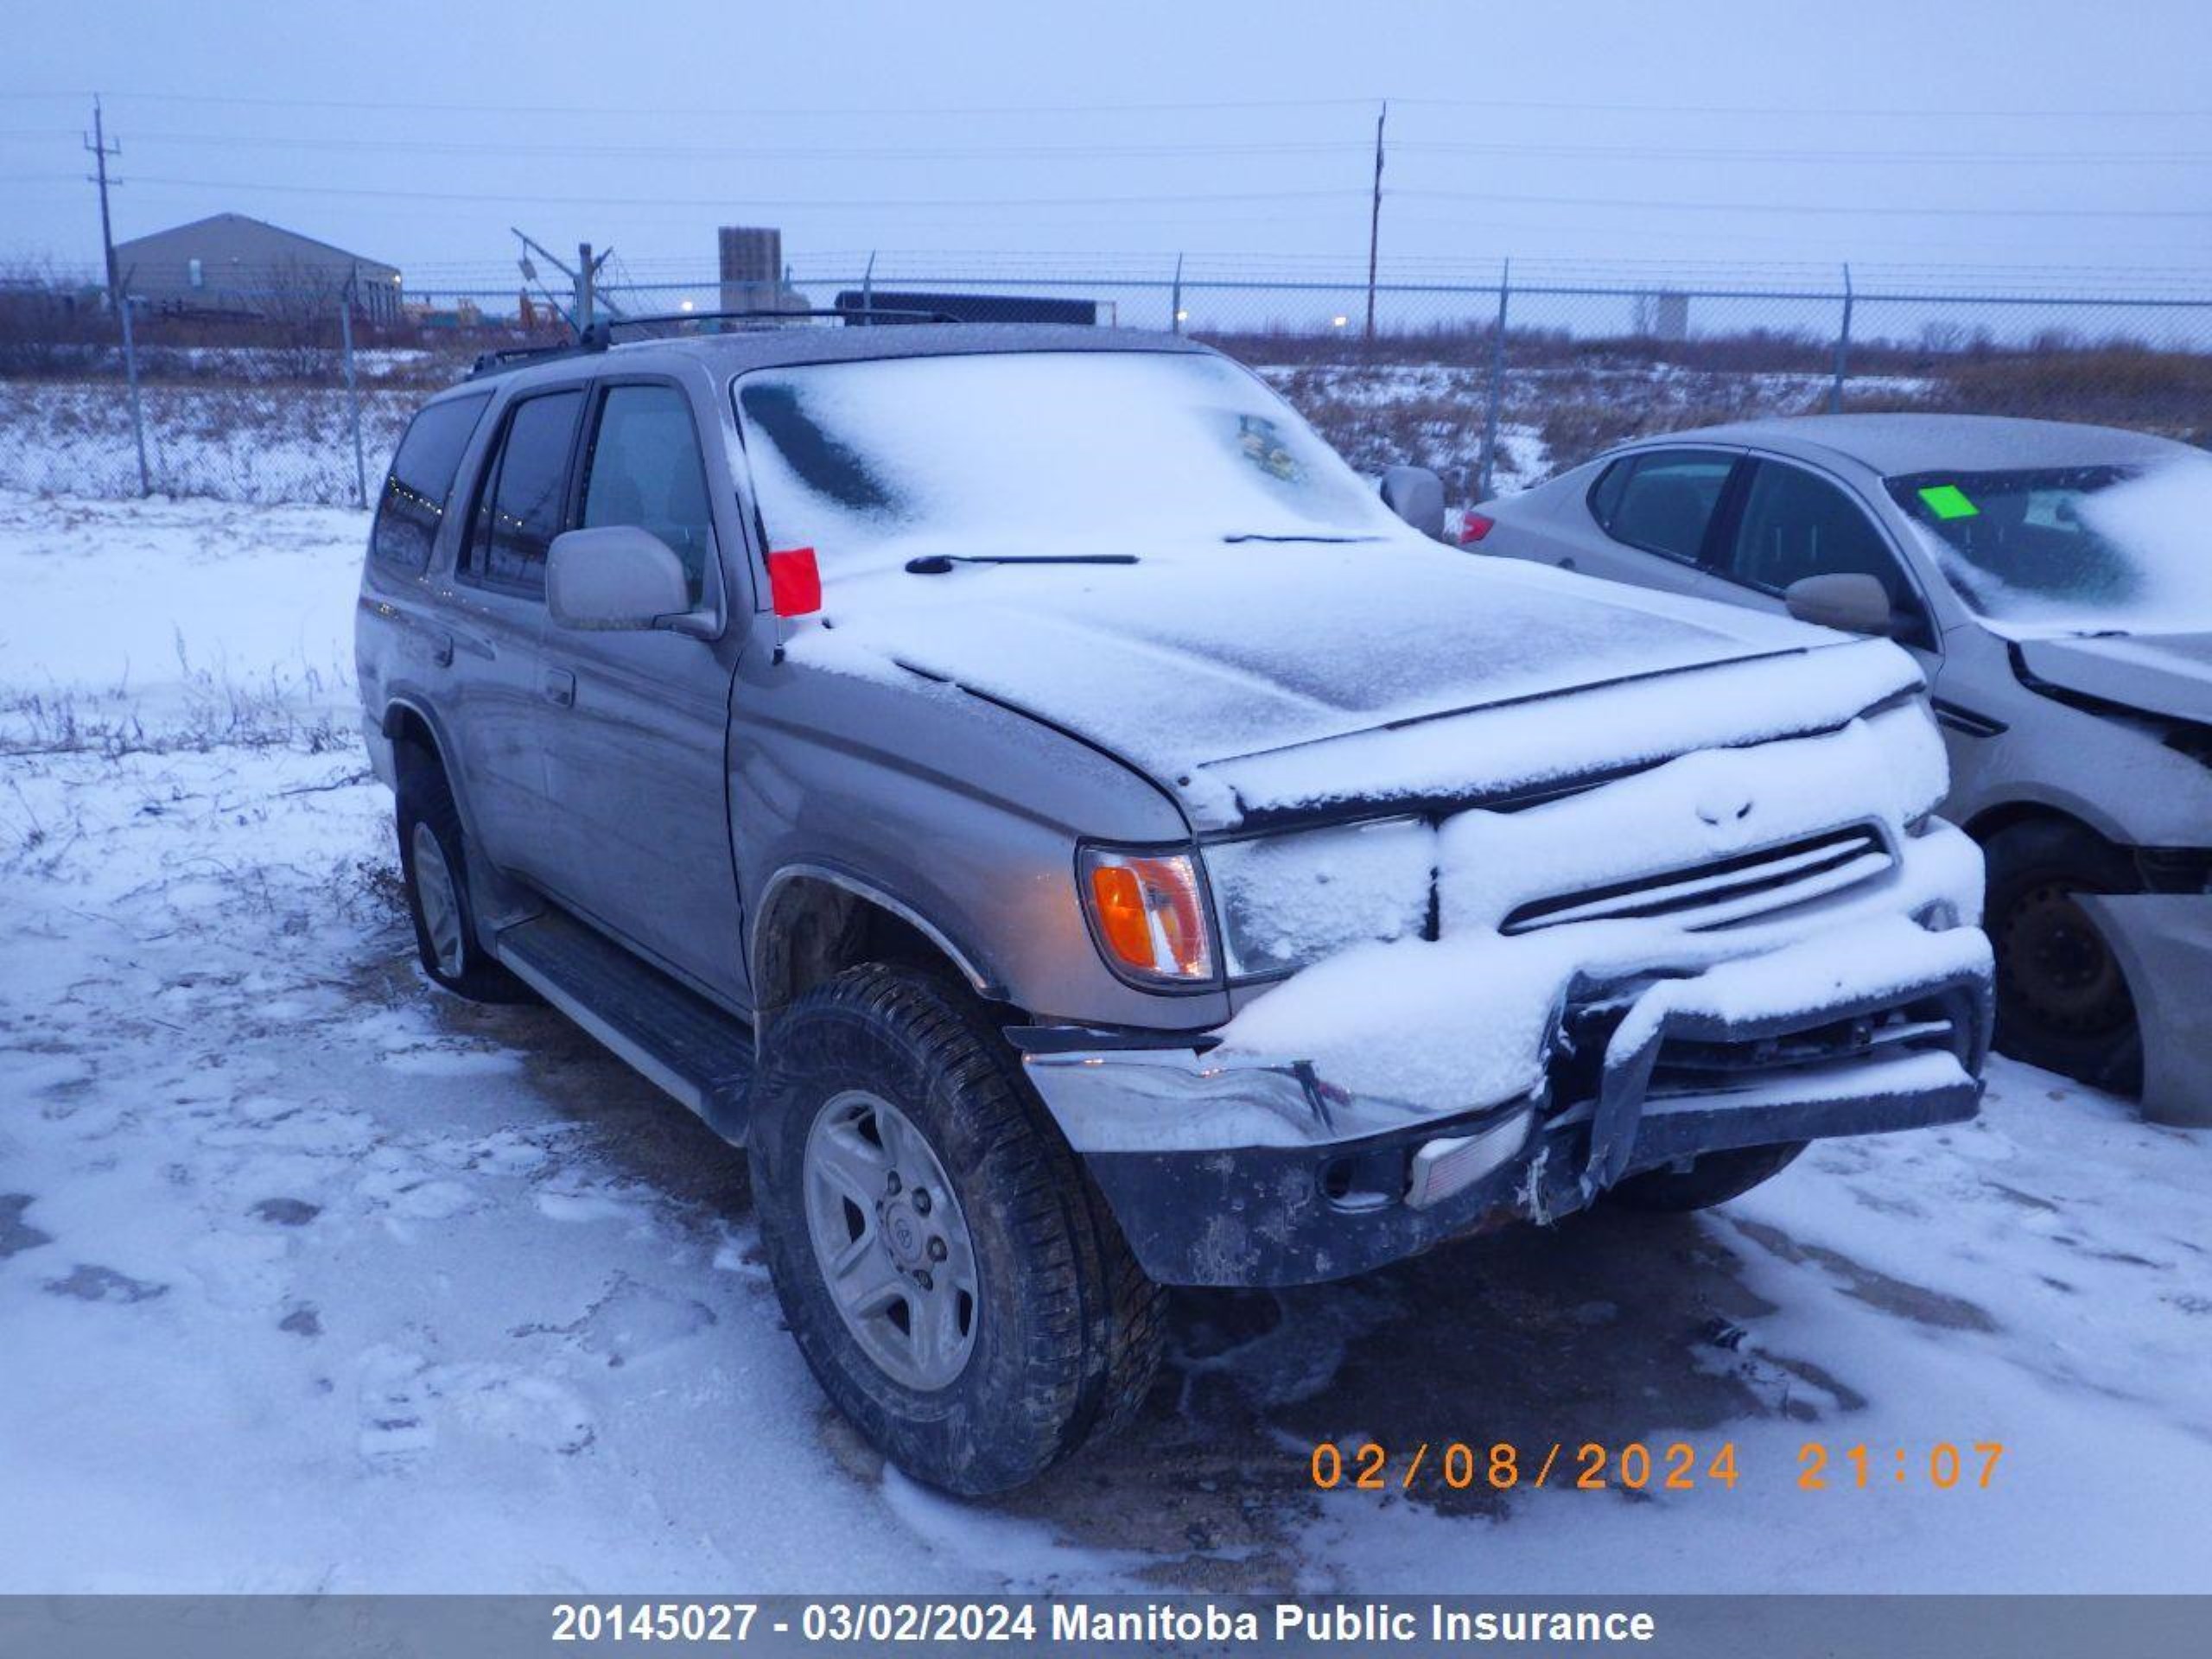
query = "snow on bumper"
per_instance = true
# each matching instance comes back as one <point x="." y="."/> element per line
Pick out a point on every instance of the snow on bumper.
<point x="1601" y="1051"/>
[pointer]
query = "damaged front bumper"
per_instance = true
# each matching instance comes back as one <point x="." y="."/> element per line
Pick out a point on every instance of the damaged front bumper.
<point x="1251" y="1172"/>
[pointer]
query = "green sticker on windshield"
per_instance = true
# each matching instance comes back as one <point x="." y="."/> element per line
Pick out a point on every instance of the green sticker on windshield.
<point x="1948" y="501"/>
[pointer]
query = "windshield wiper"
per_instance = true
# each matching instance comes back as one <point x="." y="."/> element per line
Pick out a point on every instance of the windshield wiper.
<point x="1260" y="536"/>
<point x="938" y="564"/>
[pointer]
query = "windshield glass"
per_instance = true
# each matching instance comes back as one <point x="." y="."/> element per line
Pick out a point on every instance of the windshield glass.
<point x="2081" y="549"/>
<point x="1039" y="452"/>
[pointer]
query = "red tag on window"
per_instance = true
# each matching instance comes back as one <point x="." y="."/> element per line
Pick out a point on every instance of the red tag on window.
<point x="795" y="581"/>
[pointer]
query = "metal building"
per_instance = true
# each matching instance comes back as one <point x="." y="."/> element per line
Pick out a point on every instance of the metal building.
<point x="231" y="265"/>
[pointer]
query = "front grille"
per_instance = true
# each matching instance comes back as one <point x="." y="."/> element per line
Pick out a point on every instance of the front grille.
<point x="1705" y="1067"/>
<point x="1726" y="891"/>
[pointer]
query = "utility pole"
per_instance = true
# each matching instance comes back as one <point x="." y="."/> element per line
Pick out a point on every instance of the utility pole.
<point x="97" y="142"/>
<point x="585" y="271"/>
<point x="1374" y="221"/>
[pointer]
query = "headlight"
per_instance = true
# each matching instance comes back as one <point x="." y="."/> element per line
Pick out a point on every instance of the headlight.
<point x="1291" y="899"/>
<point x="1149" y="915"/>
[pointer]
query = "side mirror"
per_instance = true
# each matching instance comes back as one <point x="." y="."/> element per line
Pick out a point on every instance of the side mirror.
<point x="1416" y="495"/>
<point x="1851" y="601"/>
<point x="619" y="578"/>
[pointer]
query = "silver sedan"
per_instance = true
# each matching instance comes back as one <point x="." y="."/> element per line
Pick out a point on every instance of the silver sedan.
<point x="2055" y="583"/>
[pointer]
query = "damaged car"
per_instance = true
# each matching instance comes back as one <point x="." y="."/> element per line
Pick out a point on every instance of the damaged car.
<point x="1025" y="789"/>
<point x="2051" y="581"/>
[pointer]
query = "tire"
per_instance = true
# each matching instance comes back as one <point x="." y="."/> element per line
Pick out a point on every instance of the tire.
<point x="1060" y="1332"/>
<point x="1713" y="1179"/>
<point x="2063" y="1001"/>
<point x="434" y="868"/>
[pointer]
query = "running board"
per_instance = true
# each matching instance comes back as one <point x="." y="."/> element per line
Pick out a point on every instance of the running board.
<point x="671" y="1035"/>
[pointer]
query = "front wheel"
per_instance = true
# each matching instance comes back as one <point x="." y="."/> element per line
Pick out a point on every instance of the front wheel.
<point x="951" y="1274"/>
<point x="2062" y="1002"/>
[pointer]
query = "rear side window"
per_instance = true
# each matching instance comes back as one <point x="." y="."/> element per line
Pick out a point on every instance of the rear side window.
<point x="413" y="504"/>
<point x="1665" y="499"/>
<point x="519" y="507"/>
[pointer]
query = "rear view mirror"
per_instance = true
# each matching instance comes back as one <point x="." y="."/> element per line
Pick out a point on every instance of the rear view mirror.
<point x="617" y="578"/>
<point x="1851" y="601"/>
<point x="1416" y="495"/>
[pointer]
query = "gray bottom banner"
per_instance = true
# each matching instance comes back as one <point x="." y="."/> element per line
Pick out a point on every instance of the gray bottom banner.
<point x="510" y="1627"/>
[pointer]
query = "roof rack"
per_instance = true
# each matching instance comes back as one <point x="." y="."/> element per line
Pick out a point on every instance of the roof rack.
<point x="598" y="336"/>
<point x="518" y="357"/>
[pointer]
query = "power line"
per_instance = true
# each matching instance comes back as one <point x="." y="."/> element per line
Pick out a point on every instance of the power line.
<point x="1848" y="157"/>
<point x="796" y="152"/>
<point x="2037" y="113"/>
<point x="719" y="112"/>
<point x="1882" y="211"/>
<point x="894" y="153"/>
<point x="736" y="199"/>
<point x="1946" y="113"/>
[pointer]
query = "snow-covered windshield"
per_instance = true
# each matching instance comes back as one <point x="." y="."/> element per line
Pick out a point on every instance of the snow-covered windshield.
<point x="2091" y="549"/>
<point x="1037" y="453"/>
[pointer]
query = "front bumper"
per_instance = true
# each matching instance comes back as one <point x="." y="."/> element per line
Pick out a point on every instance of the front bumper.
<point x="1263" y="1173"/>
<point x="2164" y="941"/>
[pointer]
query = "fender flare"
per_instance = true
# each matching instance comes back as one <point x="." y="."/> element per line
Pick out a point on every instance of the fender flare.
<point x="969" y="962"/>
<point x="396" y="714"/>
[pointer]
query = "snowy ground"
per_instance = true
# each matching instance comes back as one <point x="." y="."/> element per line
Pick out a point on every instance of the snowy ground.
<point x="265" y="443"/>
<point x="312" y="1278"/>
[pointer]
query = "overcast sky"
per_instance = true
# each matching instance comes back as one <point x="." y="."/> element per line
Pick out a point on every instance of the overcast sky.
<point x="1930" y="133"/>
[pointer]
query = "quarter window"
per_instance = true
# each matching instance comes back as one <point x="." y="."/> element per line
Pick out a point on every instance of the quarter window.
<point x="413" y="504"/>
<point x="520" y="509"/>
<point x="1666" y="499"/>
<point x="645" y="468"/>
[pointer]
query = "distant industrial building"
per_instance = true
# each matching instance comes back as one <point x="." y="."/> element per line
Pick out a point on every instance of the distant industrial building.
<point x="232" y="265"/>
<point x="752" y="276"/>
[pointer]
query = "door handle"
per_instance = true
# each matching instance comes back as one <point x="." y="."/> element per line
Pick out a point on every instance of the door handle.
<point x="441" y="649"/>
<point x="561" y="687"/>
<point x="1566" y="563"/>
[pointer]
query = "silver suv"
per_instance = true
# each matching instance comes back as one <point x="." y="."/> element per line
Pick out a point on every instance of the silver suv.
<point x="1078" y="838"/>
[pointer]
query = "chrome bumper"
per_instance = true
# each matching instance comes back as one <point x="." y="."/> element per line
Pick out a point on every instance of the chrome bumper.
<point x="1247" y="1171"/>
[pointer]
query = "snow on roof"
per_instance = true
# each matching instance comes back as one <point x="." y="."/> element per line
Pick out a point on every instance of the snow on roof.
<point x="1894" y="443"/>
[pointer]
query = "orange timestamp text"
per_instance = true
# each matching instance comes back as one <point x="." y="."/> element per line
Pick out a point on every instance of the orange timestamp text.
<point x="1637" y="1466"/>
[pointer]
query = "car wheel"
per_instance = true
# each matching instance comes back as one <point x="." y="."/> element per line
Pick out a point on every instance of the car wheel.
<point x="2063" y="1001"/>
<point x="1714" y="1179"/>
<point x="434" y="868"/>
<point x="953" y="1277"/>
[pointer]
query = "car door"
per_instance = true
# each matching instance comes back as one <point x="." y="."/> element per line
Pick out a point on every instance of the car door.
<point x="637" y="723"/>
<point x="1787" y="521"/>
<point x="1648" y="516"/>
<point x="499" y="614"/>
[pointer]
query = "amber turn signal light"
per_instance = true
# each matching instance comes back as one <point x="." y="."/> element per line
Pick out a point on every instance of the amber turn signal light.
<point x="1150" y="914"/>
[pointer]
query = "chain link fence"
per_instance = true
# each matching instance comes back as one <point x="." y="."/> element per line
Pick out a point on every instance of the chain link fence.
<point x="1494" y="383"/>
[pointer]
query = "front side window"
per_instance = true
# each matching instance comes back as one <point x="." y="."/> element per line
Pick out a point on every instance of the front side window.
<point x="413" y="504"/>
<point x="2094" y="548"/>
<point x="518" y="509"/>
<point x="643" y="467"/>
<point x="1667" y="501"/>
<point x="1022" y="453"/>
<point x="1794" y="525"/>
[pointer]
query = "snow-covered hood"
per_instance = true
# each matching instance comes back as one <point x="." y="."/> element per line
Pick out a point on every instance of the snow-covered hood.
<point x="1249" y="678"/>
<point x="2162" y="674"/>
